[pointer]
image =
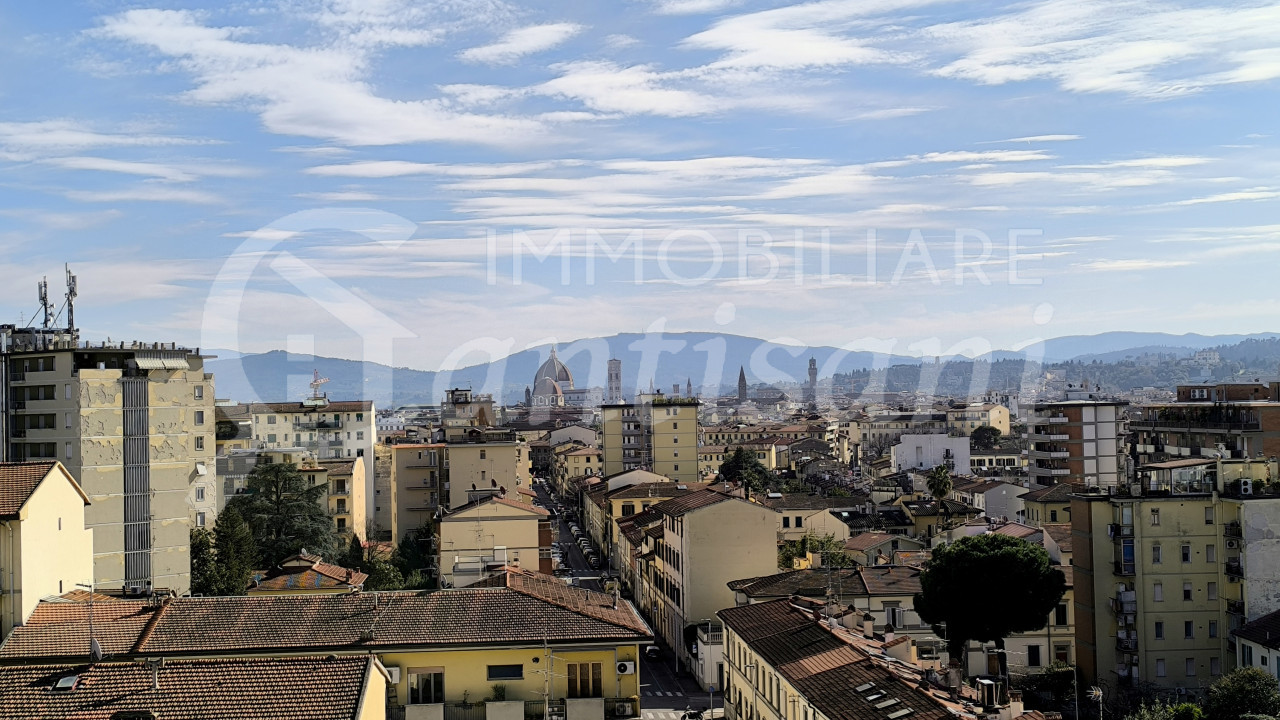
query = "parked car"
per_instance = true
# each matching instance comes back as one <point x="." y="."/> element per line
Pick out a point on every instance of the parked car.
<point x="652" y="652"/>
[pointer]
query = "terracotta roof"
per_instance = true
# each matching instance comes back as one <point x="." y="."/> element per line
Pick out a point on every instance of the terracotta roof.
<point x="268" y="688"/>
<point x="19" y="480"/>
<point x="1054" y="493"/>
<point x="1061" y="534"/>
<point x="531" y="509"/>
<point x="531" y="608"/>
<point x="868" y="540"/>
<point x="338" y="468"/>
<point x="1264" y="631"/>
<point x="826" y="669"/>
<point x="318" y="575"/>
<point x="687" y="503"/>
<point x="929" y="508"/>
<point x="1017" y="530"/>
<point x="806" y="501"/>
<point x="891" y="579"/>
<point x="60" y="629"/>
<point x="805" y="583"/>
<point x="656" y="489"/>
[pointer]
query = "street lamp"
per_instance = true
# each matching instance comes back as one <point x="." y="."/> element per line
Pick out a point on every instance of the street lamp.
<point x="1095" y="693"/>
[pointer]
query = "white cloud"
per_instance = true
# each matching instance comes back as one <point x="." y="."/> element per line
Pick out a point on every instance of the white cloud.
<point x="145" y="193"/>
<point x="1259" y="193"/>
<point x="400" y="168"/>
<point x="692" y="7"/>
<point x="635" y="90"/>
<point x="521" y="42"/>
<point x="46" y="136"/>
<point x="307" y="91"/>
<point x="1133" y="265"/>
<point x="1036" y="138"/>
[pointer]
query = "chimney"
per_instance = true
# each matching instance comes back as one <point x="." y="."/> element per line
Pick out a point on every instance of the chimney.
<point x="868" y="625"/>
<point x="888" y="633"/>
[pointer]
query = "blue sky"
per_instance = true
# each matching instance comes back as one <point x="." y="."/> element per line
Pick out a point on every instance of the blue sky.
<point x="363" y="179"/>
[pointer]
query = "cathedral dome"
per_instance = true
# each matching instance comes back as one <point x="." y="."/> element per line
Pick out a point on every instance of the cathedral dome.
<point x="555" y="371"/>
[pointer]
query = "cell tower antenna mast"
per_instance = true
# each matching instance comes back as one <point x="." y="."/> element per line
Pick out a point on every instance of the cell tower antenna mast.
<point x="71" y="300"/>
<point x="317" y="397"/>
<point x="44" y="302"/>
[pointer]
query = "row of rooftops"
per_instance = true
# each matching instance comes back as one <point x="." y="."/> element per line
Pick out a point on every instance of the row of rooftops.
<point x="514" y="607"/>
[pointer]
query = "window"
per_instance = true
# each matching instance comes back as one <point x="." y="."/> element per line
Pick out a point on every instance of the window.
<point x="66" y="390"/>
<point x="68" y="450"/>
<point x="1211" y="591"/>
<point x="359" y="417"/>
<point x="1157" y="592"/>
<point x="1155" y="516"/>
<point x="584" y="680"/>
<point x="675" y="468"/>
<point x="271" y="419"/>
<point x="1060" y="615"/>
<point x="1033" y="655"/>
<point x="199" y="519"/>
<point x="1191" y="667"/>
<point x="271" y="437"/>
<point x="483" y="454"/>
<point x="199" y="494"/>
<point x="786" y="521"/>
<point x="1186" y="591"/>
<point x="199" y="442"/>
<point x="199" y="417"/>
<point x="1208" y="515"/>
<point x="1053" y="516"/>
<point x="675" y="426"/>
<point x="199" y="390"/>
<point x="1213" y="628"/>
<point x="1159" y="630"/>
<point x="67" y="419"/>
<point x="506" y="672"/>
<point x="799" y="521"/>
<point x="1211" y="553"/>
<point x="1215" y="666"/>
<point x="426" y="686"/>
<point x="1188" y="630"/>
<point x="1186" y="553"/>
<point x="1155" y="554"/>
<point x="1160" y="667"/>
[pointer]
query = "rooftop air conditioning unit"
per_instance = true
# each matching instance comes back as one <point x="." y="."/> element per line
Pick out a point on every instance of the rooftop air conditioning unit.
<point x="1246" y="487"/>
<point x="622" y="709"/>
<point x="626" y="668"/>
<point x="394" y="672"/>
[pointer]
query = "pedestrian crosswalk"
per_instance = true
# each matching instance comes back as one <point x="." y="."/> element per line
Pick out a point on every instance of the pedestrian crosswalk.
<point x="663" y="714"/>
<point x="659" y="693"/>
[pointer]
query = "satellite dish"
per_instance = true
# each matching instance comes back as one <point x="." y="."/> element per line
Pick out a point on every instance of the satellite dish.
<point x="95" y="650"/>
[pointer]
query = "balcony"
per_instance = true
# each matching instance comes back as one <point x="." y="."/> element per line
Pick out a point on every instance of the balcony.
<point x="17" y="404"/>
<point x="1125" y="569"/>
<point x="1194" y="425"/>
<point x="340" y="491"/>
<point x="1117" y="531"/>
<point x="318" y="425"/>
<point x="18" y="432"/>
<point x="1232" y="530"/>
<point x="17" y="376"/>
<point x="1058" y="419"/>
<point x="1234" y="568"/>
<point x="1127" y="644"/>
<point x="1235" y="607"/>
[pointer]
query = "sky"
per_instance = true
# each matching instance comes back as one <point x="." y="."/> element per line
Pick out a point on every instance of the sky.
<point x="429" y="183"/>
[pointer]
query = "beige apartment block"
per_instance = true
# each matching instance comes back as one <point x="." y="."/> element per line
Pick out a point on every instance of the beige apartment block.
<point x="482" y="539"/>
<point x="967" y="419"/>
<point x="416" y="486"/>
<point x="134" y="423"/>
<point x="477" y="469"/>
<point x="657" y="433"/>
<point x="45" y="548"/>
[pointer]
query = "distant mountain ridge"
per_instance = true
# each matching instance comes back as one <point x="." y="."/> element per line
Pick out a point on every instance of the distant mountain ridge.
<point x="710" y="360"/>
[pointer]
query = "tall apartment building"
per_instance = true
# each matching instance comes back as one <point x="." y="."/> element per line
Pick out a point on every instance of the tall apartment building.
<point x="657" y="433"/>
<point x="1238" y="420"/>
<point x="1166" y="568"/>
<point x="1077" y="441"/>
<point x="471" y="464"/>
<point x="328" y="429"/>
<point x="134" y="424"/>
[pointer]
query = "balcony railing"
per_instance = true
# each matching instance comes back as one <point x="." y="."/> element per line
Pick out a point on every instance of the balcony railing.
<point x="1235" y="607"/>
<point x="17" y="376"/>
<point x="1127" y="644"/>
<point x="1125" y="569"/>
<point x="17" y="404"/>
<point x="1232" y="530"/>
<point x="1234" y="568"/>
<point x="18" y="432"/>
<point x="1117" y="531"/>
<point x="1193" y="425"/>
<point x="318" y="425"/>
<point x="1058" y="419"/>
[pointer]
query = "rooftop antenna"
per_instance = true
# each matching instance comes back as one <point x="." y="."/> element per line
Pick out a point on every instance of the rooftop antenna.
<point x="95" y="648"/>
<point x="44" y="301"/>
<point x="71" y="300"/>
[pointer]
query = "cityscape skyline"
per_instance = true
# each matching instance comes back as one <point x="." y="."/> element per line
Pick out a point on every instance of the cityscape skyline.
<point x="301" y="176"/>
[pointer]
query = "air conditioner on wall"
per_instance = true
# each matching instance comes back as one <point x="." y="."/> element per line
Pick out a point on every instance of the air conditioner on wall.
<point x="1233" y="544"/>
<point x="622" y="709"/>
<point x="626" y="668"/>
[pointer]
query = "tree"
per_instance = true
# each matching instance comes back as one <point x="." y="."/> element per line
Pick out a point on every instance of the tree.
<point x="939" y="482"/>
<point x="237" y="552"/>
<point x="354" y="558"/>
<point x="284" y="511"/>
<point x="984" y="438"/>
<point x="204" y="564"/>
<point x="986" y="587"/>
<point x="222" y="561"/>
<point x="827" y="547"/>
<point x="1162" y="711"/>
<point x="1243" y="691"/>
<point x="743" y="467"/>
<point x="383" y="576"/>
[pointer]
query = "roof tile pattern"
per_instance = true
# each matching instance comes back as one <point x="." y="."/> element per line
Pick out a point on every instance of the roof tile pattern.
<point x="265" y="689"/>
<point x="17" y="482"/>
<point x="60" y="629"/>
